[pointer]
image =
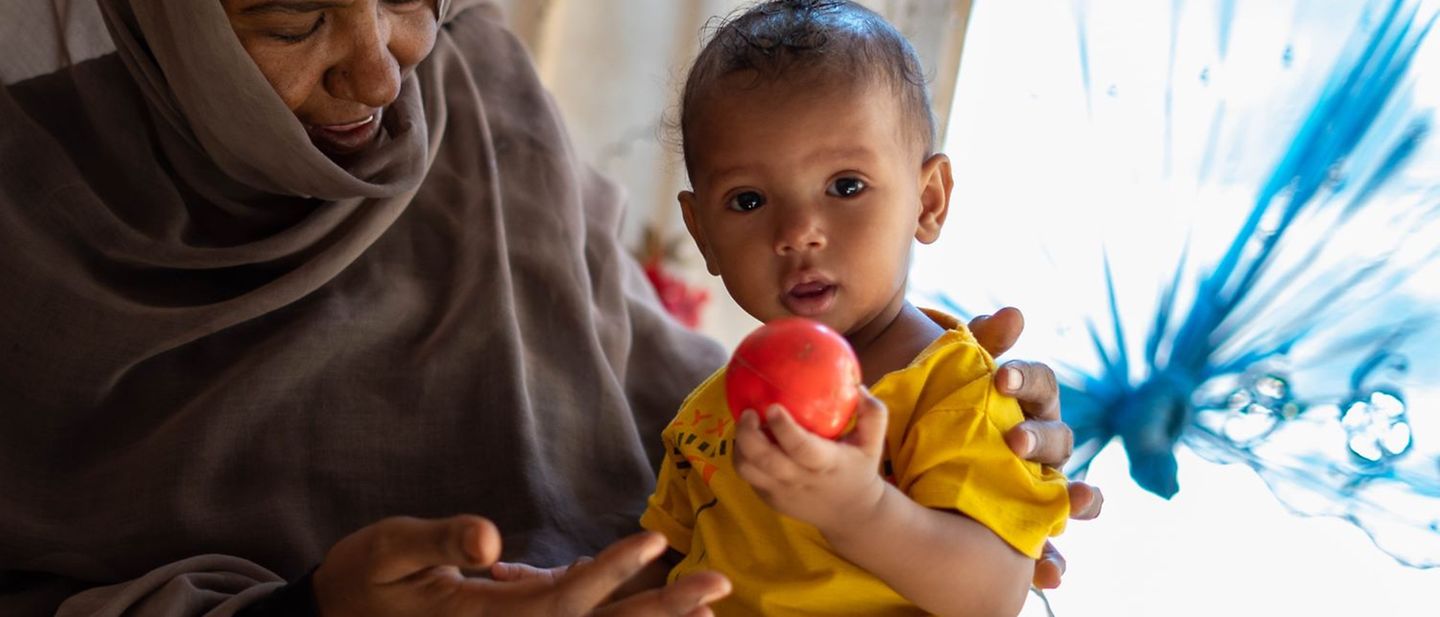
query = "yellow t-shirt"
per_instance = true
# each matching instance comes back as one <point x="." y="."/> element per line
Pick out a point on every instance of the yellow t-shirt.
<point x="945" y="448"/>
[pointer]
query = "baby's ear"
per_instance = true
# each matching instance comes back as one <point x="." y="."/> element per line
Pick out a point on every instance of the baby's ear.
<point x="935" y="185"/>
<point x="687" y="208"/>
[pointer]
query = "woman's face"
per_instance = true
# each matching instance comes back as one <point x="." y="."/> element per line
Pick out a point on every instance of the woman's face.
<point x="336" y="63"/>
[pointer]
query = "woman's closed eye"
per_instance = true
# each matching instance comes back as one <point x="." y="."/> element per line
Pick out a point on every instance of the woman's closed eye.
<point x="745" y="201"/>
<point x="293" y="36"/>
<point x="403" y="4"/>
<point x="297" y="37"/>
<point x="846" y="187"/>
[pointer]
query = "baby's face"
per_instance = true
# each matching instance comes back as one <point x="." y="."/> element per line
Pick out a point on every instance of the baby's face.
<point x="806" y="199"/>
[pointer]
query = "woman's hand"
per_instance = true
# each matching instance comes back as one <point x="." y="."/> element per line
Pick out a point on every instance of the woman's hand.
<point x="410" y="566"/>
<point x="1042" y="437"/>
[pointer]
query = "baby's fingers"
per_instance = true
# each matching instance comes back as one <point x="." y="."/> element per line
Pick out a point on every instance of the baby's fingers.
<point x="805" y="449"/>
<point x="872" y="418"/>
<point x="758" y="461"/>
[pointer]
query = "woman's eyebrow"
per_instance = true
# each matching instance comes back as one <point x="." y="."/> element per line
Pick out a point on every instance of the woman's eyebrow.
<point x="290" y="6"/>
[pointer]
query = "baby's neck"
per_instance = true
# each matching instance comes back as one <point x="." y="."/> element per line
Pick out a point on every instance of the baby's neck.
<point x="895" y="345"/>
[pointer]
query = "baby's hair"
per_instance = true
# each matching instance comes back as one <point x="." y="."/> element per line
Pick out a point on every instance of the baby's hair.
<point x="830" y="39"/>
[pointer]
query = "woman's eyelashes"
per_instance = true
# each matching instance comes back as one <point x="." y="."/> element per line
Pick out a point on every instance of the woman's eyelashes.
<point x="300" y="37"/>
<point x="403" y="5"/>
<point x="407" y="5"/>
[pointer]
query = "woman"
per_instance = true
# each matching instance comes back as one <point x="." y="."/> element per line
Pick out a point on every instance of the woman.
<point x="280" y="269"/>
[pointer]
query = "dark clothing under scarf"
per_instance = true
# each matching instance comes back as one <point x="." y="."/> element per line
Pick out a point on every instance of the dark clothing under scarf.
<point x="220" y="352"/>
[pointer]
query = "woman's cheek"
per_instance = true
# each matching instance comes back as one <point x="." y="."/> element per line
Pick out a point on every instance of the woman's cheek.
<point x="292" y="75"/>
<point x="414" y="38"/>
<point x="295" y="88"/>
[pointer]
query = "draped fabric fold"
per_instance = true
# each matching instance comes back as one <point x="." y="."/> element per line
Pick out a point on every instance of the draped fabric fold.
<point x="218" y="341"/>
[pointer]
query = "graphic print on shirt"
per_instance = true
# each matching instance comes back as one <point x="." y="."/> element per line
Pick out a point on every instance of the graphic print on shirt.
<point x="700" y="438"/>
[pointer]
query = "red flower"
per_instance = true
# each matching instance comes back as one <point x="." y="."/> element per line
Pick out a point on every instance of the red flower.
<point x="680" y="300"/>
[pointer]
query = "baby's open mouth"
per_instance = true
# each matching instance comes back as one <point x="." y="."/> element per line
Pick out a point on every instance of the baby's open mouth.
<point x="810" y="290"/>
<point x="810" y="298"/>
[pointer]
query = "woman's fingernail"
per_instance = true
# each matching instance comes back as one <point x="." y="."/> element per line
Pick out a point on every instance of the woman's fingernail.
<point x="1059" y="568"/>
<point x="1013" y="379"/>
<point x="468" y="542"/>
<point x="1027" y="441"/>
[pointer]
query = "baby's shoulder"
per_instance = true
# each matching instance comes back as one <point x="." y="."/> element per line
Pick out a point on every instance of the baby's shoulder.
<point x="710" y="393"/>
<point x="956" y="358"/>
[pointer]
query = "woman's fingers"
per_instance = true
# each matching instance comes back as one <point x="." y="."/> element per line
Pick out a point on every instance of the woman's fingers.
<point x="1047" y="443"/>
<point x="1033" y="384"/>
<point x="587" y="585"/>
<point x="403" y="546"/>
<point x="1050" y="568"/>
<point x="509" y="572"/>
<point x="1042" y="437"/>
<point x="1085" y="501"/>
<point x="687" y="597"/>
<point x="997" y="333"/>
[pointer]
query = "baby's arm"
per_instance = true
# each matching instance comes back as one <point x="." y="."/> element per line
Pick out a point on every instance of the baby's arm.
<point x="942" y="561"/>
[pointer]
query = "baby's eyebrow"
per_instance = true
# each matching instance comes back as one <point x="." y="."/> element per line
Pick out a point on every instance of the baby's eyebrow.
<point x="841" y="153"/>
<point x="290" y="6"/>
<point x="844" y="153"/>
<point x="715" y="177"/>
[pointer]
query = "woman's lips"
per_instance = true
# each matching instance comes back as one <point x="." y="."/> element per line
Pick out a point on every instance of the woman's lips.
<point x="345" y="138"/>
<point x="351" y="126"/>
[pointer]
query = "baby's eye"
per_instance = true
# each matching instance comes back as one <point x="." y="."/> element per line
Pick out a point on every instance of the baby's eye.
<point x="846" y="187"/>
<point x="745" y="202"/>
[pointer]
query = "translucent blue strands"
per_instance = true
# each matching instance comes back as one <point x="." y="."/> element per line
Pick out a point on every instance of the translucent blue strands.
<point x="1262" y="285"/>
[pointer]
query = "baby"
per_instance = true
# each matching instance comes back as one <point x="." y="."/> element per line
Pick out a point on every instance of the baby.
<point x="809" y="144"/>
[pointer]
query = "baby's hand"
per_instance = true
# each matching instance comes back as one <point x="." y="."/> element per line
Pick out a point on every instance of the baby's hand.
<point x="829" y="484"/>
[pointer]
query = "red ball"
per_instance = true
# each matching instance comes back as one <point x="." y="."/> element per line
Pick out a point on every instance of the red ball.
<point x="802" y="365"/>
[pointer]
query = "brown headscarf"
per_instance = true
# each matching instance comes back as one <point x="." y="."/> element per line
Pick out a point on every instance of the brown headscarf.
<point x="220" y="352"/>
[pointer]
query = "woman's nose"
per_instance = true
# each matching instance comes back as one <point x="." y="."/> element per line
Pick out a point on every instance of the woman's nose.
<point x="800" y="230"/>
<point x="367" y="73"/>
